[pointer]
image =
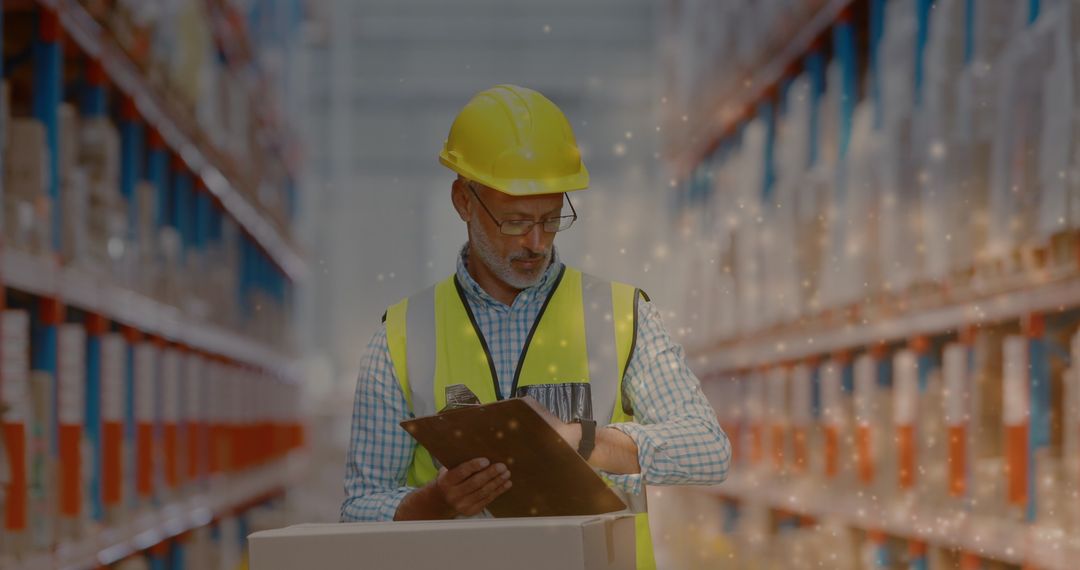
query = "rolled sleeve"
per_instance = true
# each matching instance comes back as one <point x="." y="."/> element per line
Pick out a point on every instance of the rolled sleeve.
<point x="679" y="440"/>
<point x="649" y="445"/>
<point x="379" y="450"/>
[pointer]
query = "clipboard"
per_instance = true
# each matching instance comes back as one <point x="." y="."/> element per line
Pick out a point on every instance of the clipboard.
<point x="550" y="478"/>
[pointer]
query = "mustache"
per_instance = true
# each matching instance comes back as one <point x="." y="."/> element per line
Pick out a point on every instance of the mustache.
<point x="530" y="256"/>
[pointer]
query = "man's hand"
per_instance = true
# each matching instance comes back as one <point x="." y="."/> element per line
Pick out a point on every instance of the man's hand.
<point x="470" y="487"/>
<point x="464" y="490"/>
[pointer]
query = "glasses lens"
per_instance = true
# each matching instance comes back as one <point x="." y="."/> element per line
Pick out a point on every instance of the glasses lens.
<point x="516" y="227"/>
<point x="558" y="224"/>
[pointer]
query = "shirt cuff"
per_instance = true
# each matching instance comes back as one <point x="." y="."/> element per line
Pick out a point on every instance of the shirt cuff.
<point x="391" y="501"/>
<point x="648" y="445"/>
<point x="629" y="483"/>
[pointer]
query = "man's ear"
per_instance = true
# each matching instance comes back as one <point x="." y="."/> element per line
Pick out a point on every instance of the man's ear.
<point x="459" y="195"/>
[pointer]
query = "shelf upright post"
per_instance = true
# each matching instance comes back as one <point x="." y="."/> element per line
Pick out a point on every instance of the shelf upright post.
<point x="96" y="327"/>
<point x="882" y="556"/>
<point x="132" y="337"/>
<point x="815" y="68"/>
<point x="131" y="153"/>
<point x="177" y="558"/>
<point x="157" y="173"/>
<point x="877" y="30"/>
<point x="48" y="317"/>
<point x="158" y="556"/>
<point x="46" y="106"/>
<point x="845" y="49"/>
<point x="917" y="558"/>
<point x="202" y="223"/>
<point x="1039" y="431"/>
<point x="181" y="207"/>
<point x="93" y="101"/>
<point x="922" y="35"/>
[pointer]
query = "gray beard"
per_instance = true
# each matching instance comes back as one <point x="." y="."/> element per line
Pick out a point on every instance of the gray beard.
<point x="502" y="268"/>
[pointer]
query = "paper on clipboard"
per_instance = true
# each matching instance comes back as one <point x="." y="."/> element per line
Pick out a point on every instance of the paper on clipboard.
<point x="550" y="478"/>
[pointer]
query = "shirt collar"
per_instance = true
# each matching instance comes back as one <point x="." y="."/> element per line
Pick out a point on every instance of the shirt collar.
<point x="475" y="292"/>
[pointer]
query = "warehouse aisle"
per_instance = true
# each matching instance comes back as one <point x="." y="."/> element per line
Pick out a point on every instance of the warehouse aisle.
<point x="859" y="218"/>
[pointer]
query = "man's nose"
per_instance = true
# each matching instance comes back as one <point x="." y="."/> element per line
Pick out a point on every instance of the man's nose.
<point x="534" y="238"/>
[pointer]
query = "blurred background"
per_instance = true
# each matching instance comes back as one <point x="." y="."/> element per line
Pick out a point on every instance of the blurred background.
<point x="859" y="217"/>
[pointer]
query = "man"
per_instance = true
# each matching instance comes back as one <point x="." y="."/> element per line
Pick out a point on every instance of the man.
<point x="513" y="321"/>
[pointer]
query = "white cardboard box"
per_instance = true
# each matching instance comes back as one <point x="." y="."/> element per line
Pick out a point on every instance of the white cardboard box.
<point x="604" y="542"/>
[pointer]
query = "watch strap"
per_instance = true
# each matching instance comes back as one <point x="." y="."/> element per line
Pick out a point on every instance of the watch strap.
<point x="588" y="438"/>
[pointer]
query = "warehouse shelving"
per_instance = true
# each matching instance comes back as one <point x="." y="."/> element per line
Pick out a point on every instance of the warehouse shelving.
<point x="793" y="342"/>
<point x="44" y="277"/>
<point x="113" y="544"/>
<point x="740" y="96"/>
<point x="993" y="538"/>
<point x="883" y="307"/>
<point x="177" y="400"/>
<point x="177" y="133"/>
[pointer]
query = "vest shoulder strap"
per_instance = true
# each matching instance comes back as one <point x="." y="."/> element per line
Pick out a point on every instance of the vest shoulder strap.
<point x="625" y="299"/>
<point x="396" y="343"/>
<point x="410" y="336"/>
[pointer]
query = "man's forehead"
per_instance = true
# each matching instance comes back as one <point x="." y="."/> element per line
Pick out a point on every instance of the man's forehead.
<point x="540" y="202"/>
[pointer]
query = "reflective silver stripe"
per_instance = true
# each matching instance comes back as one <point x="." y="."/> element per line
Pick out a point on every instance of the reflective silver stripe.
<point x="567" y="400"/>
<point x="601" y="347"/>
<point x="604" y="364"/>
<point x="420" y="351"/>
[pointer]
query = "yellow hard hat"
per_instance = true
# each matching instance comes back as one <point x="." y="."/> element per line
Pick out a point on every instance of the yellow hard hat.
<point x="516" y="141"/>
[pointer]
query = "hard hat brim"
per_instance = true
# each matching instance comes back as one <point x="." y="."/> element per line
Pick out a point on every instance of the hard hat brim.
<point x="520" y="187"/>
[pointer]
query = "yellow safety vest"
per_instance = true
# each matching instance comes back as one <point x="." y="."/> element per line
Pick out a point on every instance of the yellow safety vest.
<point x="573" y="361"/>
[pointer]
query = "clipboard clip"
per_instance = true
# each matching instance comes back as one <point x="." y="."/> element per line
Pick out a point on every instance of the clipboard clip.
<point x="459" y="396"/>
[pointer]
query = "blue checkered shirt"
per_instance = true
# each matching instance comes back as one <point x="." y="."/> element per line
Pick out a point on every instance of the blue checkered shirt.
<point x="678" y="438"/>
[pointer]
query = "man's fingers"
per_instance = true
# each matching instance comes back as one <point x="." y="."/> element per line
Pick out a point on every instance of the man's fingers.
<point x="462" y="472"/>
<point x="482" y="500"/>
<point x="489" y="488"/>
<point x="478" y="480"/>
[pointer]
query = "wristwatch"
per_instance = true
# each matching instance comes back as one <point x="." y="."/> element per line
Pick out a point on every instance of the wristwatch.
<point x="588" y="437"/>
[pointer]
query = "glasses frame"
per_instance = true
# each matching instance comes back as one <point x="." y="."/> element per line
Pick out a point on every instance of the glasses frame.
<point x="501" y="223"/>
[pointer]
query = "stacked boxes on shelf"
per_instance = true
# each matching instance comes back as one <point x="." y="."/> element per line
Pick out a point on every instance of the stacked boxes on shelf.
<point x="969" y="437"/>
<point x="866" y="224"/>
<point x="147" y="289"/>
<point x="902" y="196"/>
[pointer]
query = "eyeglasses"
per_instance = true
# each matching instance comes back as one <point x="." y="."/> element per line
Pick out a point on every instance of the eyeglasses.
<point x="522" y="227"/>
